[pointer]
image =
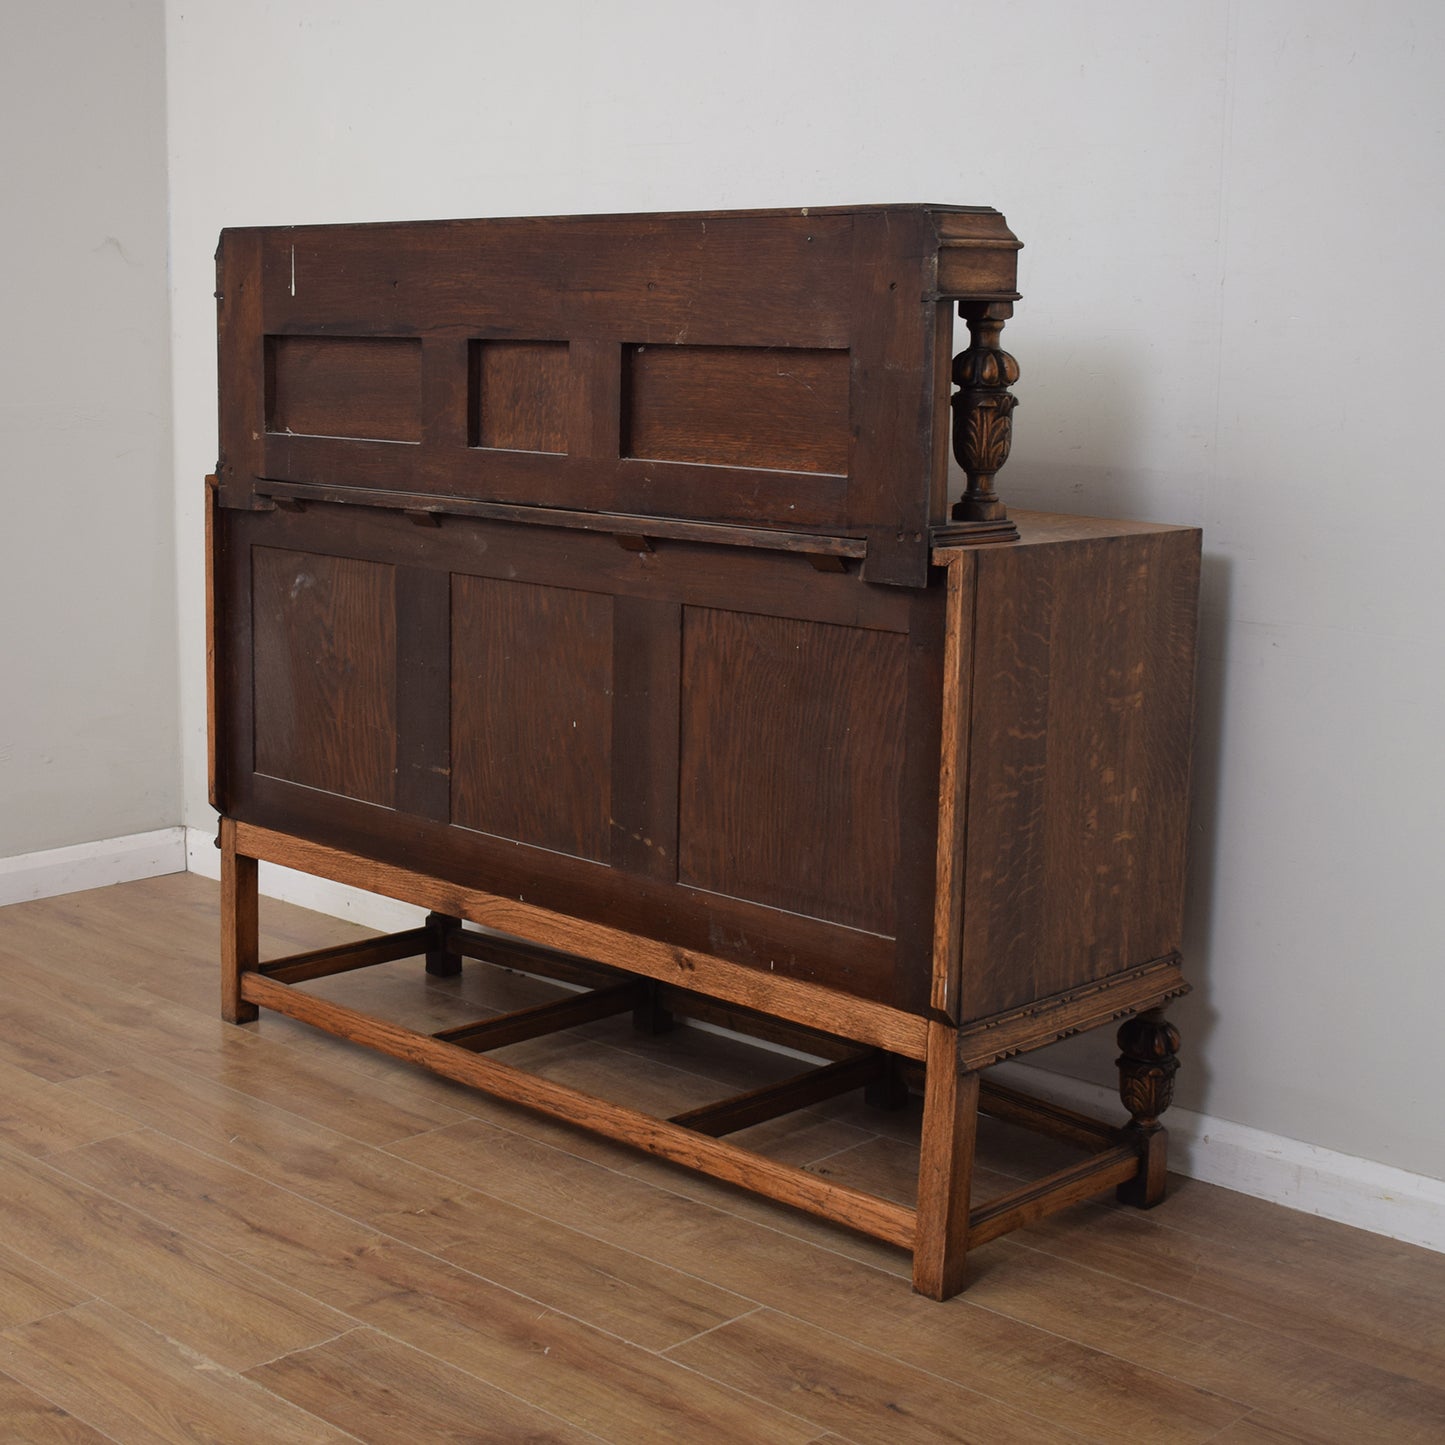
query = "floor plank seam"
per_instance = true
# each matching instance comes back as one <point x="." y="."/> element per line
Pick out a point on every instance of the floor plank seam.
<point x="666" y="1351"/>
<point x="1189" y="1304"/>
<point x="774" y="1228"/>
<point x="947" y="1381"/>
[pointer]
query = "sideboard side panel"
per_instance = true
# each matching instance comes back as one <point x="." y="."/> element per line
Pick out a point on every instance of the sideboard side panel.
<point x="1078" y="767"/>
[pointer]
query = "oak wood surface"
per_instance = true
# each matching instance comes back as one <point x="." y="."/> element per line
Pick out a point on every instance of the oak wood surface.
<point x="477" y="1235"/>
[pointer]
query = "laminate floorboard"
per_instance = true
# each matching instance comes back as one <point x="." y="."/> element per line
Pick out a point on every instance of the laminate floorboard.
<point x="266" y="1234"/>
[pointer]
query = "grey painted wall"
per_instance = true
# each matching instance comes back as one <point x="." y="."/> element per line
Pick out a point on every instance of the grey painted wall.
<point x="89" y="729"/>
<point x="1231" y="317"/>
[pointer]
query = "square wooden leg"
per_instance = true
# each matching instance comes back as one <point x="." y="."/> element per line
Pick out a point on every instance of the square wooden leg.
<point x="945" y="1170"/>
<point x="240" y="937"/>
<point x="440" y="963"/>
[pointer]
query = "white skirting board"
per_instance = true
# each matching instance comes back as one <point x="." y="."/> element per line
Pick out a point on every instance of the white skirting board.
<point x="1302" y="1176"/>
<point x="1372" y="1196"/>
<point x="92" y="865"/>
<point x="305" y="890"/>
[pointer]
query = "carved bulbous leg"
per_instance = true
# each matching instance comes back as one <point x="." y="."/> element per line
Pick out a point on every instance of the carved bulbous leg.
<point x="1148" y="1061"/>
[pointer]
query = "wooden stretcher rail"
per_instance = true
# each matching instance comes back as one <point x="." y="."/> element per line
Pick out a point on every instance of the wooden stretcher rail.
<point x="880" y="1218"/>
<point x="809" y="1004"/>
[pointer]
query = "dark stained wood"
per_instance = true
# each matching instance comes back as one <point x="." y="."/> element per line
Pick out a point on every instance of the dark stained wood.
<point x="1078" y="780"/>
<point x="618" y="524"/>
<point x="423" y="692"/>
<point x="595" y="580"/>
<point x="784" y="408"/>
<point x="241" y="365"/>
<point x="791" y="765"/>
<point x="215" y="787"/>
<point x="325" y="672"/>
<point x="531" y="679"/>
<point x="344" y="386"/>
<point x="520" y="395"/>
<point x="646" y="668"/>
<point x="539" y="313"/>
<point x="955" y="721"/>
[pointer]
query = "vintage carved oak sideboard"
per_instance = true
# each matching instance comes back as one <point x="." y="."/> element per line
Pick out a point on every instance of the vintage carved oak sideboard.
<point x="595" y="580"/>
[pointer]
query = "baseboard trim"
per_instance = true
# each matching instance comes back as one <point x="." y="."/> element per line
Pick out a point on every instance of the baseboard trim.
<point x="54" y="871"/>
<point x="305" y="890"/>
<point x="1358" y="1192"/>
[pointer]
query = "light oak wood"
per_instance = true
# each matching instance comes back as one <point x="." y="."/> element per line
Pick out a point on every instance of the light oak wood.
<point x="231" y="1215"/>
<point x="355" y="1381"/>
<point x="803" y="1003"/>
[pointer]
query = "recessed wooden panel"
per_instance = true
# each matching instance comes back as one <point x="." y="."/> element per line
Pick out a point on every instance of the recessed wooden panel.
<point x="520" y="395"/>
<point x="792" y="758"/>
<point x="532" y="713"/>
<point x="325" y="672"/>
<point x="1078" y="779"/>
<point x="344" y="386"/>
<point x="742" y="406"/>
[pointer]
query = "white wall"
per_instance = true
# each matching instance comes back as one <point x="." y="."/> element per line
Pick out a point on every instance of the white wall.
<point x="1231" y="317"/>
<point x="89" y="741"/>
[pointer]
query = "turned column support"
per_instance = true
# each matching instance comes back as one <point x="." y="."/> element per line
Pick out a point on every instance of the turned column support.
<point x="1148" y="1061"/>
<point x="983" y="409"/>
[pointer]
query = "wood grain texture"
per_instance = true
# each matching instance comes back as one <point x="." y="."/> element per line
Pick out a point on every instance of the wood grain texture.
<point x="656" y="1136"/>
<point x="1320" y="1332"/>
<point x="531" y="685"/>
<point x="835" y="1012"/>
<point x="132" y="1383"/>
<point x="325" y="672"/>
<point x="791" y="764"/>
<point x="520" y="395"/>
<point x="1078" y="765"/>
<point x="718" y="431"/>
<point x="357" y="1381"/>
<point x="344" y="386"/>
<point x="784" y="408"/>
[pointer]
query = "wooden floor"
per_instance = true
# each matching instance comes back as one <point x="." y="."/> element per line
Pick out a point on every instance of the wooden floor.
<point x="265" y="1235"/>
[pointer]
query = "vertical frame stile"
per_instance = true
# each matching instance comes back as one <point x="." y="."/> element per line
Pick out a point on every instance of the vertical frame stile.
<point x="960" y="604"/>
<point x="945" y="1167"/>
<point x="241" y="365"/>
<point x="646" y="698"/>
<point x="240" y="926"/>
<point x="215" y="792"/>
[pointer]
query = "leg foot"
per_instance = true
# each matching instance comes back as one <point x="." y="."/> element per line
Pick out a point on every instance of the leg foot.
<point x="440" y="963"/>
<point x="1148" y="1061"/>
<point x="240" y="937"/>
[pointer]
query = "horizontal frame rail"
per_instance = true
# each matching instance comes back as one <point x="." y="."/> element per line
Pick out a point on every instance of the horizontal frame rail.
<point x="1014" y="1107"/>
<point x="1052" y="1193"/>
<point x="771" y="1101"/>
<point x="544" y="1018"/>
<point x="880" y="1218"/>
<point x="622" y="524"/>
<point x="343" y="957"/>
